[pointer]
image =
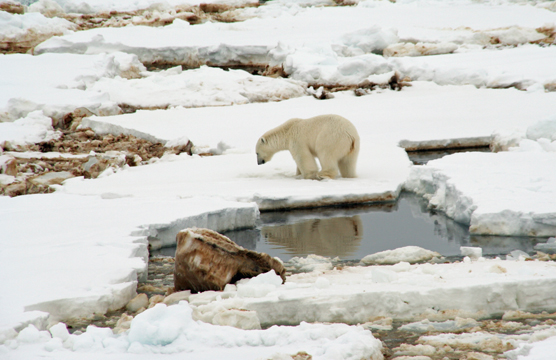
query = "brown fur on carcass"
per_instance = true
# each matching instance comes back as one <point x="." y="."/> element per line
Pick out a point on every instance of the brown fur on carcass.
<point x="207" y="260"/>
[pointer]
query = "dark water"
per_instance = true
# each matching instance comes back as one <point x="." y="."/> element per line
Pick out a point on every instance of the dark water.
<point x="354" y="232"/>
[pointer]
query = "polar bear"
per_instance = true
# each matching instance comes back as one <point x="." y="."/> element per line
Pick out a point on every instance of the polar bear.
<point x="330" y="138"/>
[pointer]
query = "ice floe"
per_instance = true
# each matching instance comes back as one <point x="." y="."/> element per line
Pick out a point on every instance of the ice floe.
<point x="104" y="237"/>
<point x="407" y="292"/>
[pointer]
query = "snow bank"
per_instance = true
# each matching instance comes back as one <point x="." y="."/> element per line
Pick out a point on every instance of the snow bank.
<point x="505" y="193"/>
<point x="32" y="129"/>
<point x="327" y="59"/>
<point x="98" y="271"/>
<point x="491" y="68"/>
<point x="332" y="58"/>
<point x="55" y="83"/>
<point x="542" y="350"/>
<point x="539" y="136"/>
<point x="59" y="84"/>
<point x="170" y="330"/>
<point x="197" y="88"/>
<point x="409" y="292"/>
<point x="23" y="31"/>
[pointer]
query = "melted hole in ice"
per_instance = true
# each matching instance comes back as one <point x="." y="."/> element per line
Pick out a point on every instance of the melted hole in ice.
<point x="354" y="232"/>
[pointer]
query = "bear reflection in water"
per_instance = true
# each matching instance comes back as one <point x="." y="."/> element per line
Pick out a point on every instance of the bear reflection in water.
<point x="331" y="237"/>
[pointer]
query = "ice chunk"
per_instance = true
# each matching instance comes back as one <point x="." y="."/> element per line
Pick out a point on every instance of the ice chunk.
<point x="260" y="285"/>
<point x="310" y="263"/>
<point x="414" y="351"/>
<point x="59" y="331"/>
<point x="445" y="326"/>
<point x="410" y="254"/>
<point x="29" y="335"/>
<point x="419" y="49"/>
<point x="32" y="129"/>
<point x="473" y="252"/>
<point x="160" y="325"/>
<point x="518" y="255"/>
<point x="179" y="296"/>
<point x="369" y="40"/>
<point x="542" y="129"/>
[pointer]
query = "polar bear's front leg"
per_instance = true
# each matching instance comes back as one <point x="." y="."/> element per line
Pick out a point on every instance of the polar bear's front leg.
<point x="306" y="163"/>
<point x="329" y="169"/>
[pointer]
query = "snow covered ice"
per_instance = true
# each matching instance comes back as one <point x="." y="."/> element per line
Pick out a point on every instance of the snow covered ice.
<point x="480" y="73"/>
<point x="171" y="331"/>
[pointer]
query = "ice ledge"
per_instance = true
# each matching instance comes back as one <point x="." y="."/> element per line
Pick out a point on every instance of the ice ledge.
<point x="480" y="289"/>
<point x="446" y="144"/>
<point x="492" y="193"/>
<point x="114" y="297"/>
<point x="103" y="128"/>
<point x="266" y="203"/>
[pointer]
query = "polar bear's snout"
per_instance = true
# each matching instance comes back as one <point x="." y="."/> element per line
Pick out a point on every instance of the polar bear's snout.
<point x="259" y="160"/>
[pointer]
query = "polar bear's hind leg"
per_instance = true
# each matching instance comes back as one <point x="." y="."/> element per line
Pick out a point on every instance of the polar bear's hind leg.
<point x="348" y="163"/>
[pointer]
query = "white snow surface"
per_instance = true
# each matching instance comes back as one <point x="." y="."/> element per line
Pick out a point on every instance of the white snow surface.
<point x="382" y="168"/>
<point x="82" y="249"/>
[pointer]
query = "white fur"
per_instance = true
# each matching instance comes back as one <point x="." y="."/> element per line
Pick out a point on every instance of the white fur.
<point x="330" y="138"/>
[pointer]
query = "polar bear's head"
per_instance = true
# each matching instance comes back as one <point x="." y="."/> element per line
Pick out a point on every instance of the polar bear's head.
<point x="264" y="151"/>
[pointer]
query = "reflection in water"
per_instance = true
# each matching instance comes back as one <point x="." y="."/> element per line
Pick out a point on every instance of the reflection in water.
<point x="352" y="233"/>
<point x="337" y="236"/>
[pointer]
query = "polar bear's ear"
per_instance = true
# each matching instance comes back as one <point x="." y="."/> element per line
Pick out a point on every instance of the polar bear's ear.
<point x="263" y="140"/>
